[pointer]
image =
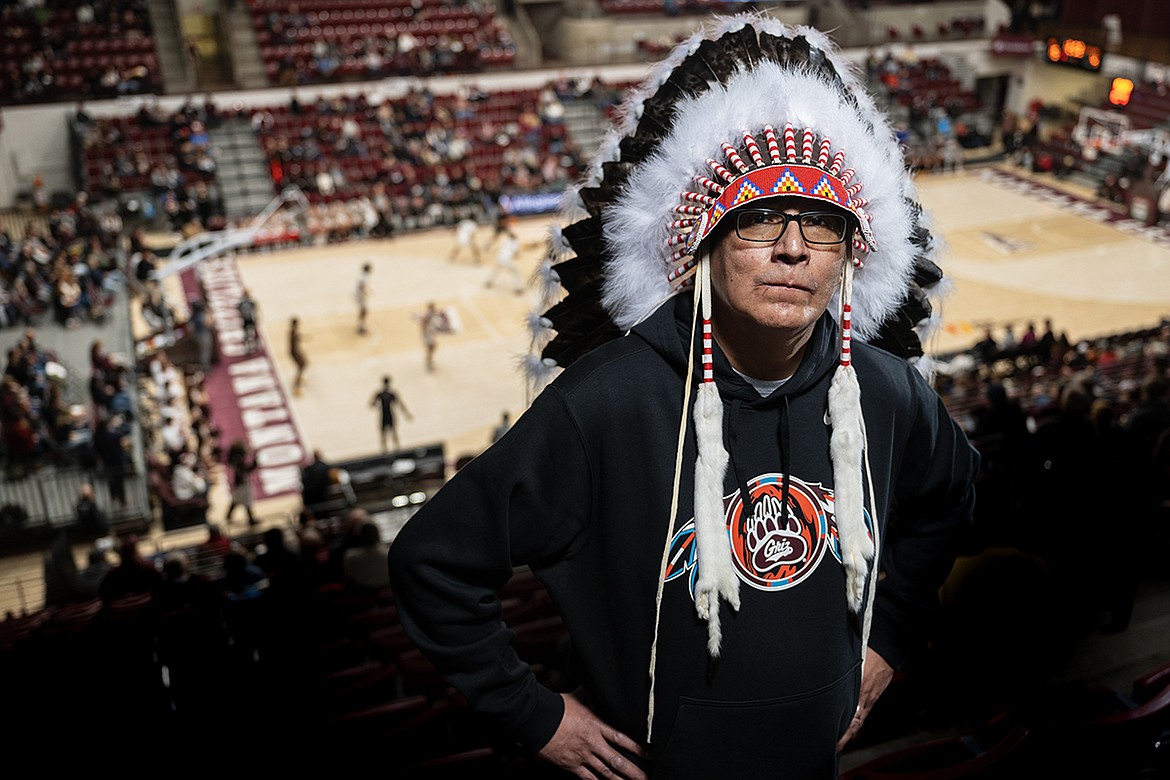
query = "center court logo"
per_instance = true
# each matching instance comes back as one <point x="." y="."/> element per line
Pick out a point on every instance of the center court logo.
<point x="773" y="547"/>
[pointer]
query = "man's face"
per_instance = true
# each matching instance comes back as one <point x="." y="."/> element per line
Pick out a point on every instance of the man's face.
<point x="784" y="286"/>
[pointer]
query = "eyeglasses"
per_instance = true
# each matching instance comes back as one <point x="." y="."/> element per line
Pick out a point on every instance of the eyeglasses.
<point x="764" y="226"/>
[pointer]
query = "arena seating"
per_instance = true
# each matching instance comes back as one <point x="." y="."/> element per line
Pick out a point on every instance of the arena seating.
<point x="318" y="41"/>
<point x="148" y="146"/>
<point x="494" y="147"/>
<point x="660" y="7"/>
<point x="327" y="658"/>
<point x="994" y="752"/>
<point x="50" y="54"/>
<point x="1117" y="364"/>
<point x="299" y="141"/>
<point x="929" y="82"/>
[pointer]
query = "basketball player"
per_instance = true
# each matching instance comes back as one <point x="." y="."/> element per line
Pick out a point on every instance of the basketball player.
<point x="297" y="354"/>
<point x="506" y="262"/>
<point x="387" y="400"/>
<point x="362" y="296"/>
<point x="465" y="241"/>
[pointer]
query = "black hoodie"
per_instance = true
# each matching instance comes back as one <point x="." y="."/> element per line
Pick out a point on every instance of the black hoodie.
<point x="580" y="490"/>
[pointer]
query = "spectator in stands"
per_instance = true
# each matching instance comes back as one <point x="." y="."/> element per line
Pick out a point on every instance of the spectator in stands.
<point x="281" y="565"/>
<point x="241" y="580"/>
<point x="90" y="578"/>
<point x="187" y="481"/>
<point x="1008" y="341"/>
<point x="201" y="330"/>
<point x="180" y="588"/>
<point x="1029" y="339"/>
<point x="156" y="312"/>
<point x="997" y="623"/>
<point x="110" y="445"/>
<point x="1067" y="459"/>
<point x="60" y="572"/>
<point x="316" y="479"/>
<point x="101" y="362"/>
<point x="145" y="267"/>
<point x="241" y="464"/>
<point x="364" y="565"/>
<point x="9" y="310"/>
<point x="504" y="426"/>
<point x="313" y="549"/>
<point x="1151" y="419"/>
<point x="173" y="433"/>
<point x="988" y="348"/>
<point x="88" y="514"/>
<point x="133" y="574"/>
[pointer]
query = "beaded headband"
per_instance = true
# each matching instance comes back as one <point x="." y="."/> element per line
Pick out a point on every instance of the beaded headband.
<point x="737" y="183"/>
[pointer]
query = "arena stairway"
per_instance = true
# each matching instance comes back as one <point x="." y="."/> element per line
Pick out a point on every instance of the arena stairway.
<point x="247" y="67"/>
<point x="176" y="76"/>
<point x="585" y="123"/>
<point x="242" y="172"/>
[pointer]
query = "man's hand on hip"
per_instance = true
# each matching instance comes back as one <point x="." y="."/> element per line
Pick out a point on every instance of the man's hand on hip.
<point x="588" y="747"/>
<point x="874" y="679"/>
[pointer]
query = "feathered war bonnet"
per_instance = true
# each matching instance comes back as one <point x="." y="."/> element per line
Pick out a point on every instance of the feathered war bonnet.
<point x="750" y="109"/>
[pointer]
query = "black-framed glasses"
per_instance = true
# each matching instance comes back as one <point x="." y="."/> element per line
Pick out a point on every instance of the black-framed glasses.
<point x="765" y="226"/>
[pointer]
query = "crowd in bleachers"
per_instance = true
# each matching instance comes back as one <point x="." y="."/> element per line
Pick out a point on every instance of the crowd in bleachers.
<point x="368" y="167"/>
<point x="56" y="50"/>
<point x="41" y="424"/>
<point x="66" y="272"/>
<point x="314" y="42"/>
<point x="170" y="155"/>
<point x="180" y="439"/>
<point x="416" y="161"/>
<point x="69" y="274"/>
<point x="73" y="274"/>
<point x="292" y="629"/>
<point x="34" y="417"/>
<point x="1075" y="439"/>
<point x="955" y="26"/>
<point x="937" y="118"/>
<point x="664" y="7"/>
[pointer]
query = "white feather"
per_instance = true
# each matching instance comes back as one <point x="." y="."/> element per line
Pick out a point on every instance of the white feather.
<point x="558" y="245"/>
<point x="538" y="373"/>
<point x="539" y="328"/>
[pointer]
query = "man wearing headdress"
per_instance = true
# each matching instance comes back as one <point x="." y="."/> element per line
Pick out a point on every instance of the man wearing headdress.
<point x="713" y="488"/>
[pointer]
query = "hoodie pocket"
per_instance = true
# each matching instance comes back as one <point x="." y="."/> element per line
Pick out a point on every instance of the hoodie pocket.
<point x="791" y="737"/>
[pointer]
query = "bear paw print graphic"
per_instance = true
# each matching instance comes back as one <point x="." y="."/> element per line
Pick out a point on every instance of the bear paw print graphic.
<point x="773" y="536"/>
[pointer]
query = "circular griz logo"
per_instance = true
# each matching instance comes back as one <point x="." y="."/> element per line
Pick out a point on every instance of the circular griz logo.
<point x="773" y="547"/>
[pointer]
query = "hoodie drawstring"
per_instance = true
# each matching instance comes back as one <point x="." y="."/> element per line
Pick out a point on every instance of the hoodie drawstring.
<point x="784" y="439"/>
<point x="729" y="429"/>
<point x="785" y="461"/>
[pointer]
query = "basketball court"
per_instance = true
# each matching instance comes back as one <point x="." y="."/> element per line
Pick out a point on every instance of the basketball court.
<point x="476" y="372"/>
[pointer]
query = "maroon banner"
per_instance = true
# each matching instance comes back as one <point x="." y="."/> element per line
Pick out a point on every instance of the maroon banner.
<point x="247" y="400"/>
